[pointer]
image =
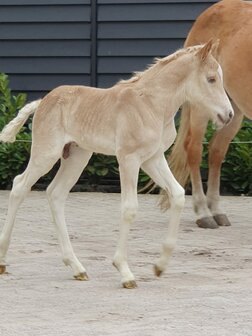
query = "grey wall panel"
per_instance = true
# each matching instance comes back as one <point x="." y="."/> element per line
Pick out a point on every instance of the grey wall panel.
<point x="33" y="95"/>
<point x="143" y="30"/>
<point x="43" y="2"/>
<point x="150" y="12"/>
<point x="46" y="43"/>
<point x="55" y="13"/>
<point x="108" y="80"/>
<point x="150" y="47"/>
<point x="122" y="65"/>
<point x="45" y="31"/>
<point x="152" y="1"/>
<point x="132" y="33"/>
<point x="46" y="48"/>
<point x="46" y="82"/>
<point x="26" y="65"/>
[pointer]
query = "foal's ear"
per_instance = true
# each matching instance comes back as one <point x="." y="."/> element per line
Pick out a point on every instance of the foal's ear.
<point x="205" y="50"/>
<point x="214" y="49"/>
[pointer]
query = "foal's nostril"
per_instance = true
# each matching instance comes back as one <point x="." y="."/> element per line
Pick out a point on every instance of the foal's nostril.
<point x="221" y="118"/>
<point x="231" y="114"/>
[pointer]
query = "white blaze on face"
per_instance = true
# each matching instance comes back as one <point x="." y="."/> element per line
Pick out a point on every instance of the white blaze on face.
<point x="220" y="72"/>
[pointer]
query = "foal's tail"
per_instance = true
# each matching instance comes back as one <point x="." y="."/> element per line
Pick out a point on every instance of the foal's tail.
<point x="10" y="131"/>
<point x="178" y="158"/>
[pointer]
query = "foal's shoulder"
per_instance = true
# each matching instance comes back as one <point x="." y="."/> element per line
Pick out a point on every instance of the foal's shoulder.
<point x="126" y="93"/>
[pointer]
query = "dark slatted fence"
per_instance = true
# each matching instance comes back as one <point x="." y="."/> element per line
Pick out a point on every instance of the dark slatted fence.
<point x="46" y="43"/>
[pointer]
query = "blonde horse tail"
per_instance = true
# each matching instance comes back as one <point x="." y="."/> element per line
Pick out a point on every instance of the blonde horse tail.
<point x="178" y="158"/>
<point x="10" y="131"/>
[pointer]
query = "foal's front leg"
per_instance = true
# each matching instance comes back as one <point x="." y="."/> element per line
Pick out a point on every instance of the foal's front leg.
<point x="158" y="169"/>
<point x="129" y="168"/>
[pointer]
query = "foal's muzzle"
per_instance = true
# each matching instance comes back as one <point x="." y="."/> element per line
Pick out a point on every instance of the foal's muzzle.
<point x="226" y="119"/>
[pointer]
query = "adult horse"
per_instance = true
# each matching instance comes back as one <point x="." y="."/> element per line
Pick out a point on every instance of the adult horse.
<point x="230" y="21"/>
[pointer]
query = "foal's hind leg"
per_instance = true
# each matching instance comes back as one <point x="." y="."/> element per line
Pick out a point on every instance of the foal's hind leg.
<point x="57" y="192"/>
<point x="158" y="169"/>
<point x="21" y="186"/>
<point x="217" y="151"/>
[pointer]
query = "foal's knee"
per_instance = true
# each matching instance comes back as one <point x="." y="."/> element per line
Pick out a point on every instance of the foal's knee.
<point x="178" y="198"/>
<point x="129" y="211"/>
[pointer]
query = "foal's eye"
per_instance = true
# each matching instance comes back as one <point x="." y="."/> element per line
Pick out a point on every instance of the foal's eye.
<point x="211" y="80"/>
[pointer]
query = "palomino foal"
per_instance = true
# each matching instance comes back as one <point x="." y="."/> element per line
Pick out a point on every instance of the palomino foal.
<point x="133" y="120"/>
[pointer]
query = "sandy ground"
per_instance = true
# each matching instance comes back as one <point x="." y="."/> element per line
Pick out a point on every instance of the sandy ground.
<point x="207" y="289"/>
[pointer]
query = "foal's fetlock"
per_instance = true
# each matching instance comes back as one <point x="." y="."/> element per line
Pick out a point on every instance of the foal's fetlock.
<point x="166" y="253"/>
<point x="79" y="271"/>
<point x="117" y="261"/>
<point x="128" y="279"/>
<point x="115" y="265"/>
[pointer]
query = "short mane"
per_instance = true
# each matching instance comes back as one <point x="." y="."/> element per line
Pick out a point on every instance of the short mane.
<point x="165" y="60"/>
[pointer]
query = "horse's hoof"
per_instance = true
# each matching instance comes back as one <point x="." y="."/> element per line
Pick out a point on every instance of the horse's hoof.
<point x="158" y="272"/>
<point x="130" y="284"/>
<point x="81" y="276"/>
<point x="2" y="269"/>
<point x="207" y="223"/>
<point x="222" y="220"/>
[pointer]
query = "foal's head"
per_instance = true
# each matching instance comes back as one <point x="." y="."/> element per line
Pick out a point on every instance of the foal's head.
<point x="205" y="87"/>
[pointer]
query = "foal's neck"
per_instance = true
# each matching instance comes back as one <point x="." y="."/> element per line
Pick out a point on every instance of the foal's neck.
<point x="166" y="84"/>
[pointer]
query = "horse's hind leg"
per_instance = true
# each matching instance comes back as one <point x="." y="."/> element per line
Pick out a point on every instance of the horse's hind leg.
<point x="217" y="151"/>
<point x="57" y="192"/>
<point x="21" y="186"/>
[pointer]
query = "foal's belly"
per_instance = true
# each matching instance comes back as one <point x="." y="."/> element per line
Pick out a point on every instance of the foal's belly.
<point x="97" y="144"/>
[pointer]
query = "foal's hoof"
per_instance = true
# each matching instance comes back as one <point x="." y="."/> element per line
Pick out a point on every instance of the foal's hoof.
<point x="222" y="220"/>
<point x="2" y="269"/>
<point x="130" y="284"/>
<point x="207" y="223"/>
<point x="158" y="272"/>
<point x="81" y="276"/>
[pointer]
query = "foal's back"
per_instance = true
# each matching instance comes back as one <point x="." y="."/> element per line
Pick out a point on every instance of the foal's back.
<point x="231" y="22"/>
<point x="91" y="117"/>
<point x="81" y="114"/>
